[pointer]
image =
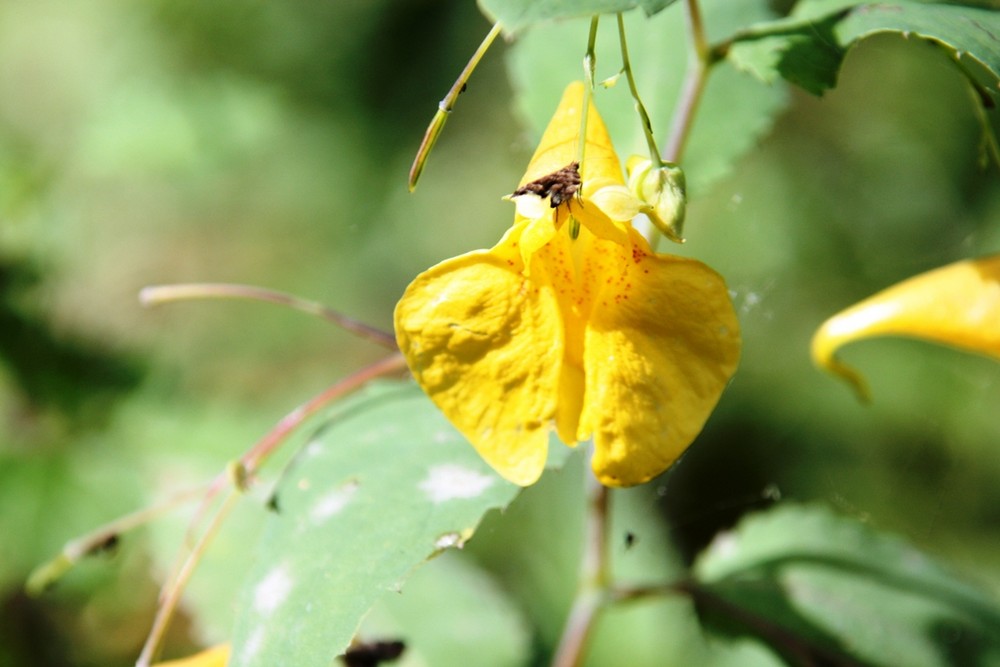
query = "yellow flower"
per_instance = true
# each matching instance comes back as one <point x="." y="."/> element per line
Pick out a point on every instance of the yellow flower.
<point x="957" y="305"/>
<point x="216" y="656"/>
<point x="572" y="321"/>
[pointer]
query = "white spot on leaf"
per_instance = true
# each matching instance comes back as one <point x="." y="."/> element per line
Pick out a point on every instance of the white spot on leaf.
<point x="272" y="590"/>
<point x="333" y="502"/>
<point x="450" y="481"/>
<point x="443" y="436"/>
<point x="449" y="540"/>
<point x="252" y="645"/>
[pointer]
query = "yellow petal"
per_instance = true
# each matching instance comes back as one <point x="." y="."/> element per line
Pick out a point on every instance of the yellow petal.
<point x="594" y="218"/>
<point x="957" y="305"/>
<point x="616" y="202"/>
<point x="537" y="233"/>
<point x="557" y="265"/>
<point x="485" y="343"/>
<point x="661" y="343"/>
<point x="216" y="656"/>
<point x="560" y="144"/>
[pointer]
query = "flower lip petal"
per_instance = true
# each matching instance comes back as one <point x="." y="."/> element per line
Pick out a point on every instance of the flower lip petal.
<point x="661" y="344"/>
<point x="480" y="340"/>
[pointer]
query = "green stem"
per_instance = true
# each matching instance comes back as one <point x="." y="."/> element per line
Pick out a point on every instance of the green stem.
<point x="694" y="83"/>
<point x="445" y="106"/>
<point x="647" y="126"/>
<point x="589" y="67"/>
<point x="696" y="28"/>
<point x="592" y="593"/>
<point x="44" y="576"/>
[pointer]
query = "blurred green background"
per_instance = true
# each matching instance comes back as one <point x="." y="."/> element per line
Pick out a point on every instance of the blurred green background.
<point x="268" y="143"/>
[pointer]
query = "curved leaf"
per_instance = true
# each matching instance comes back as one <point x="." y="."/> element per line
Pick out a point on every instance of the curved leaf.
<point x="385" y="486"/>
<point x="808" y="47"/>
<point x="516" y="15"/>
<point x="823" y="589"/>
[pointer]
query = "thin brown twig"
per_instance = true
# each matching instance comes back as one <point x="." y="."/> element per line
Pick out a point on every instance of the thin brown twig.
<point x="592" y="594"/>
<point x="160" y="294"/>
<point x="694" y="84"/>
<point x="243" y="471"/>
<point x="250" y="462"/>
<point x="173" y="588"/>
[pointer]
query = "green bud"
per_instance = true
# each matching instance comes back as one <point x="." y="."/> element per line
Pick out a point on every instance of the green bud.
<point x="662" y="193"/>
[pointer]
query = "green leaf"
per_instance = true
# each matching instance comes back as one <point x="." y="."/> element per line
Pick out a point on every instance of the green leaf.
<point x="735" y="110"/>
<point x="386" y="485"/>
<point x="808" y="48"/>
<point x="516" y="15"/>
<point x="474" y="621"/>
<point x="823" y="589"/>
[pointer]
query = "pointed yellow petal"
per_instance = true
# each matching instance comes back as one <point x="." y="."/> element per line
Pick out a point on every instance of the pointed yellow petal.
<point x="560" y="144"/>
<point x="485" y="343"/>
<point x="661" y="343"/>
<point x="217" y="656"/>
<point x="957" y="305"/>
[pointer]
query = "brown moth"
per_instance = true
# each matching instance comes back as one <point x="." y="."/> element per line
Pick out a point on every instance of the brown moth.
<point x="558" y="186"/>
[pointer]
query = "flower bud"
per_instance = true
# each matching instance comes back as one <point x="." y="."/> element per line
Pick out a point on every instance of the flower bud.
<point x="662" y="192"/>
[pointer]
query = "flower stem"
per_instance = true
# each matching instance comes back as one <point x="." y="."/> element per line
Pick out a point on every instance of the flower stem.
<point x="694" y="83"/>
<point x="160" y="294"/>
<point x="171" y="594"/>
<point x="445" y="106"/>
<point x="254" y="458"/>
<point x="647" y="126"/>
<point x="589" y="68"/>
<point x="238" y="474"/>
<point x="247" y="466"/>
<point x="101" y="538"/>
<point x="592" y="593"/>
